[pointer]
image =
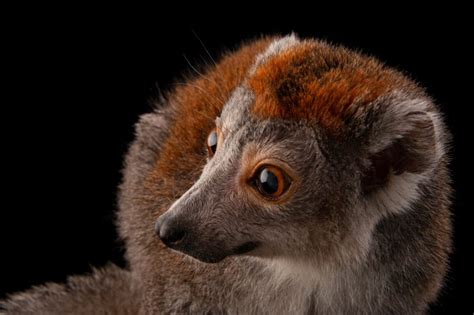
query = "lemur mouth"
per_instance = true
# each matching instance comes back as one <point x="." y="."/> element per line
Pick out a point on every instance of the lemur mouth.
<point x="245" y="248"/>
<point x="212" y="259"/>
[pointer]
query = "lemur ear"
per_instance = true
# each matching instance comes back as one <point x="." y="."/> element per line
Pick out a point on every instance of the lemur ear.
<point x="150" y="129"/>
<point x="150" y="132"/>
<point x="402" y="140"/>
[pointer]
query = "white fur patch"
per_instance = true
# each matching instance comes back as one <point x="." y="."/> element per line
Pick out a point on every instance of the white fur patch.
<point x="399" y="193"/>
<point x="277" y="47"/>
<point x="236" y="108"/>
<point x="439" y="136"/>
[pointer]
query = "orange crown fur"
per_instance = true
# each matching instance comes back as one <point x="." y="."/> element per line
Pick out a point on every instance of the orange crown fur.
<point x="317" y="82"/>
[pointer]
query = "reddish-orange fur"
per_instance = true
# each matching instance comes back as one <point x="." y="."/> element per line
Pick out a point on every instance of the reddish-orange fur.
<point x="314" y="81"/>
<point x="200" y="102"/>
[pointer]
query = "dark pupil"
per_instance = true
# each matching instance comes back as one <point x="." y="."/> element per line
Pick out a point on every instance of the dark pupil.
<point x="212" y="141"/>
<point x="268" y="181"/>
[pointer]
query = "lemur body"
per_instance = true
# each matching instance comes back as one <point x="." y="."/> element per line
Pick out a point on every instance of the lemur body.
<point x="324" y="190"/>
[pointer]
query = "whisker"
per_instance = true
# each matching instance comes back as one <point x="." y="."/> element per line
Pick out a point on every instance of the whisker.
<point x="201" y="75"/>
<point x="204" y="46"/>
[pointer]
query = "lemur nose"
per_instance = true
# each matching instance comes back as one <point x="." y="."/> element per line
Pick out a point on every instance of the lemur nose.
<point x="170" y="233"/>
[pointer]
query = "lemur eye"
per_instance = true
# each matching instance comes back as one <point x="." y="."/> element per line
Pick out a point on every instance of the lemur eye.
<point x="271" y="181"/>
<point x="212" y="140"/>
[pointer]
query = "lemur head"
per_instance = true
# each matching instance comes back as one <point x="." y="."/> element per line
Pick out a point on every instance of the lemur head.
<point x="288" y="149"/>
<point x="309" y="152"/>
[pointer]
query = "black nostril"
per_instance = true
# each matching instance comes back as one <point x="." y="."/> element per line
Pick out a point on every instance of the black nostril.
<point x="173" y="237"/>
<point x="170" y="234"/>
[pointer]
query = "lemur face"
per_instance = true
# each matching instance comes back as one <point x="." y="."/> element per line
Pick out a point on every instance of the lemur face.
<point x="309" y="152"/>
<point x="257" y="192"/>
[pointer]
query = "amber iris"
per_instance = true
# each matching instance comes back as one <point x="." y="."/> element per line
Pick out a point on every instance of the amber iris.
<point x="271" y="182"/>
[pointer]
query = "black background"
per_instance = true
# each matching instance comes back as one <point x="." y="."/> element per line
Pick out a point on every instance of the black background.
<point x="76" y="85"/>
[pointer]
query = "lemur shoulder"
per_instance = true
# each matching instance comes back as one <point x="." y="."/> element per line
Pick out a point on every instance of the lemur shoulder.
<point x="294" y="176"/>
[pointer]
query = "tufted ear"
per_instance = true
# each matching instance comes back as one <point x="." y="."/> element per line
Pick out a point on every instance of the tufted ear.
<point x="403" y="139"/>
<point x="150" y="135"/>
<point x="151" y="129"/>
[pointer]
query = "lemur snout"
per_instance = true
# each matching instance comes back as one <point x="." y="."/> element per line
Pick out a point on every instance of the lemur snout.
<point x="169" y="232"/>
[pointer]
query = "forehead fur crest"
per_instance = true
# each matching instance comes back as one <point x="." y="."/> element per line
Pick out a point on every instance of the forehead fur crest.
<point x="318" y="82"/>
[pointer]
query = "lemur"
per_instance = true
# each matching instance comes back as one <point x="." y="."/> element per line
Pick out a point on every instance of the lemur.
<point x="294" y="176"/>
